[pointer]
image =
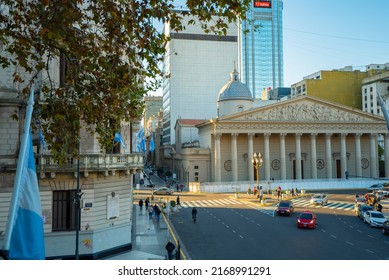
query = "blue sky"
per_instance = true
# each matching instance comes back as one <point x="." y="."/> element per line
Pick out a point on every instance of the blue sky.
<point x="331" y="34"/>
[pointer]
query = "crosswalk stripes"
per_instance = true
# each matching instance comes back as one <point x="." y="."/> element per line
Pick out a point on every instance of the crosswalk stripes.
<point x="300" y="202"/>
<point x="210" y="203"/>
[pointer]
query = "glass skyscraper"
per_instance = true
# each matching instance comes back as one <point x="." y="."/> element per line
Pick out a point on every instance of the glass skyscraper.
<point x="261" y="49"/>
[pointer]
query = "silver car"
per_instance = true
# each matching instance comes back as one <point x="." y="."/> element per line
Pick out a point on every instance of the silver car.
<point x="319" y="198"/>
<point x="163" y="190"/>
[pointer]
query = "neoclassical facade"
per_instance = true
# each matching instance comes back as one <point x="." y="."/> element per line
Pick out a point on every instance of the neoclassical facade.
<point x="300" y="138"/>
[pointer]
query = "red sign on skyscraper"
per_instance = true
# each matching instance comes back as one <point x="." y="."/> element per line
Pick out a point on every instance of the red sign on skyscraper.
<point x="262" y="4"/>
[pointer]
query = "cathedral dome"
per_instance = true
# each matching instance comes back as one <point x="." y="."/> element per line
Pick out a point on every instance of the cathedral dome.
<point x="234" y="89"/>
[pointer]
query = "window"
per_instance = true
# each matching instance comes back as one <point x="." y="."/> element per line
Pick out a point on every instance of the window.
<point x="196" y="167"/>
<point x="64" y="210"/>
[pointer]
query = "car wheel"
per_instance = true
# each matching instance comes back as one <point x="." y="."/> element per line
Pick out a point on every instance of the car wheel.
<point x="383" y="231"/>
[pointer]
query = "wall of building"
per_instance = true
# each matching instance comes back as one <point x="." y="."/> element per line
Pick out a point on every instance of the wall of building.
<point x="191" y="92"/>
<point x="342" y="87"/>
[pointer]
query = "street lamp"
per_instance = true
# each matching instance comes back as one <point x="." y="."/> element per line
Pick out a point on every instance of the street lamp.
<point x="257" y="162"/>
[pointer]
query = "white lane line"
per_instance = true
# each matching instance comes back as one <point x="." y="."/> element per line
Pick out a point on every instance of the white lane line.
<point x="367" y="250"/>
<point x="352" y="244"/>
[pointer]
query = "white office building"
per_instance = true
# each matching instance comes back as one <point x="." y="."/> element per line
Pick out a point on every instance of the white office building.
<point x="198" y="64"/>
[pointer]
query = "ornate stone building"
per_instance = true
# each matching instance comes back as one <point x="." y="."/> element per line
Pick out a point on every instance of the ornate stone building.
<point x="301" y="138"/>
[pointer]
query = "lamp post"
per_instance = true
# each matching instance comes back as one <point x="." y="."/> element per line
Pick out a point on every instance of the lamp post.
<point x="257" y="162"/>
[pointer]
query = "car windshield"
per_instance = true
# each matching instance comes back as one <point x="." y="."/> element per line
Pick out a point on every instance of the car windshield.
<point x="377" y="215"/>
<point x="366" y="208"/>
<point x="318" y="196"/>
<point x="306" y="216"/>
<point x="283" y="204"/>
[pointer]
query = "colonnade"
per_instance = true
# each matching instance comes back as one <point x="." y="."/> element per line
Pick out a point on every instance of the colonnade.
<point x="372" y="161"/>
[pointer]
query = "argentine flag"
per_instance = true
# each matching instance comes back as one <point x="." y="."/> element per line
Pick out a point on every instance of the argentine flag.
<point x="118" y="138"/>
<point x="24" y="236"/>
<point x="152" y="143"/>
<point x="26" y="227"/>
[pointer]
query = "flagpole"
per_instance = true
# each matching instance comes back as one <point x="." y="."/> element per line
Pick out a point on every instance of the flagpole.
<point x="19" y="169"/>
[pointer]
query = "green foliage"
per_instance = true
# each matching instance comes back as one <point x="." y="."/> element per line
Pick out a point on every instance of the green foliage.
<point x="111" y="54"/>
<point x="172" y="203"/>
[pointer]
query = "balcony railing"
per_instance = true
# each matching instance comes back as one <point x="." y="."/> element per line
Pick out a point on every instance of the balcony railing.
<point x="91" y="162"/>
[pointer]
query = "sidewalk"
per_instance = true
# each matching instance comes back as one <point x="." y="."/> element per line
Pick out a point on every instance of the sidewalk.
<point x="149" y="238"/>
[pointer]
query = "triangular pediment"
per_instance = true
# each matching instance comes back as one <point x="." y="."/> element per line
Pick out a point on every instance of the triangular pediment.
<point x="304" y="109"/>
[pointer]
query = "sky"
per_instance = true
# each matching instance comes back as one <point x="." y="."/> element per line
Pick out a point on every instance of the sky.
<point x="331" y="34"/>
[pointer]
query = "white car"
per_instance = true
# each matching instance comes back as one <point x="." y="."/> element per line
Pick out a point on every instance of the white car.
<point x="375" y="187"/>
<point x="319" y="198"/>
<point x="374" y="218"/>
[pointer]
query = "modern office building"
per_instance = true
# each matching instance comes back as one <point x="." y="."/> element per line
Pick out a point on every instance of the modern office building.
<point x="377" y="82"/>
<point x="343" y="86"/>
<point x="261" y="49"/>
<point x="198" y="64"/>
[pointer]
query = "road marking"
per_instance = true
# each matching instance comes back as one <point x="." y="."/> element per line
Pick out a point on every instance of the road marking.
<point x="351" y="227"/>
<point x="323" y="230"/>
<point x="367" y="250"/>
<point x="350" y="243"/>
<point x="386" y="242"/>
<point x="240" y="236"/>
<point x="227" y="226"/>
<point x="233" y="231"/>
<point x="259" y="225"/>
<point x="370" y="236"/>
<point x="360" y="231"/>
<point x="333" y="236"/>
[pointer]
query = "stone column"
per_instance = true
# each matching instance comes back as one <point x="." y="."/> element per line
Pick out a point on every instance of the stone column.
<point x="328" y="156"/>
<point x="358" y="155"/>
<point x="283" y="156"/>
<point x="386" y="147"/>
<point x="343" y="155"/>
<point x="266" y="159"/>
<point x="218" y="170"/>
<point x="373" y="156"/>
<point x="250" y="154"/>
<point x="234" y="157"/>
<point x="313" y="156"/>
<point x="298" y="156"/>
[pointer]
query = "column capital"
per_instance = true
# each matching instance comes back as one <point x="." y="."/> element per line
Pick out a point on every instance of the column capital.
<point x="298" y="135"/>
<point x="266" y="135"/>
<point x="234" y="134"/>
<point x="217" y="136"/>
<point x="251" y="135"/>
<point x="314" y="134"/>
<point x="358" y="135"/>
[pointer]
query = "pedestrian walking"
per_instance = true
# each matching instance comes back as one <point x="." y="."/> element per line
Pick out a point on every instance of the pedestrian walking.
<point x="292" y="191"/>
<point x="249" y="191"/>
<point x="178" y="202"/>
<point x="170" y="248"/>
<point x="194" y="214"/>
<point x="278" y="192"/>
<point x="150" y="209"/>
<point x="157" y="212"/>
<point x="147" y="203"/>
<point x="140" y="204"/>
<point x="260" y="194"/>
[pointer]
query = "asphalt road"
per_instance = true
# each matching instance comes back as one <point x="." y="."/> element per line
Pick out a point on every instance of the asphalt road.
<point x="241" y="233"/>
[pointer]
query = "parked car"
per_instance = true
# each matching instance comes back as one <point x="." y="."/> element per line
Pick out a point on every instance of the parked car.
<point x="362" y="208"/>
<point x="307" y="219"/>
<point x="376" y="187"/>
<point x="163" y="190"/>
<point x="374" y="218"/>
<point x="319" y="198"/>
<point x="385" y="227"/>
<point x="285" y="207"/>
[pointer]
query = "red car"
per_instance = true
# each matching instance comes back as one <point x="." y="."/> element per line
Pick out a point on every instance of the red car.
<point x="306" y="219"/>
